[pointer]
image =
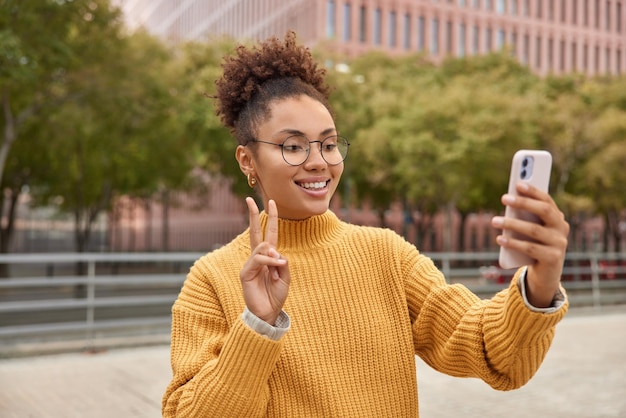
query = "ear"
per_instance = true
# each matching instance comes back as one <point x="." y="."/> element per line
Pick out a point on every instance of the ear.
<point x="245" y="160"/>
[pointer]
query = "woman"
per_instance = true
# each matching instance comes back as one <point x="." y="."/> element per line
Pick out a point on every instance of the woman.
<point x="303" y="315"/>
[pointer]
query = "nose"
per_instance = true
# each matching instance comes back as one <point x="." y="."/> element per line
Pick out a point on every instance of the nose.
<point x="315" y="159"/>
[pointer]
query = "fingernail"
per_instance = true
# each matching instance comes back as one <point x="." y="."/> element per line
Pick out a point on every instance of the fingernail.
<point x="523" y="186"/>
<point x="508" y="198"/>
<point x="501" y="240"/>
<point x="497" y="221"/>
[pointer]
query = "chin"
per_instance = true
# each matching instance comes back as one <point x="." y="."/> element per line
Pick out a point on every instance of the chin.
<point x="308" y="212"/>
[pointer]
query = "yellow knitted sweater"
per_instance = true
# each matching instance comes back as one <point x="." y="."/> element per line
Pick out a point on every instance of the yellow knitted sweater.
<point x="362" y="303"/>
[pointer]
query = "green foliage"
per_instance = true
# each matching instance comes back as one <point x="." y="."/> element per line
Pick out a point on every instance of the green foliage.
<point x="111" y="113"/>
<point x="98" y="105"/>
<point x="441" y="136"/>
<point x="211" y="146"/>
<point x="436" y="136"/>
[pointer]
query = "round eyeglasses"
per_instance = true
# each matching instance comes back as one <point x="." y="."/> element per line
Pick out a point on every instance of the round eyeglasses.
<point x="296" y="149"/>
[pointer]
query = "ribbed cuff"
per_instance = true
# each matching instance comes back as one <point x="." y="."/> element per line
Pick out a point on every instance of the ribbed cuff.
<point x="557" y="302"/>
<point x="248" y="359"/>
<point x="276" y="332"/>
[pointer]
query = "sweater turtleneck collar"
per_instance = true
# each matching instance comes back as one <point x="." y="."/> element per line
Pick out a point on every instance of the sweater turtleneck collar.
<point x="314" y="232"/>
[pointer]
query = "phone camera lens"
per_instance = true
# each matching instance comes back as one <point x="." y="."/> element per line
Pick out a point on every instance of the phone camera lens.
<point x="524" y="174"/>
<point x="525" y="162"/>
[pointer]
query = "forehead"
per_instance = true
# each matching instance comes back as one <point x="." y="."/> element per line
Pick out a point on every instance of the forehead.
<point x="303" y="114"/>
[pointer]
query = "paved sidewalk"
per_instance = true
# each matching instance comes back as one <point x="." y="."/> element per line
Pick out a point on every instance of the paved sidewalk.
<point x="583" y="376"/>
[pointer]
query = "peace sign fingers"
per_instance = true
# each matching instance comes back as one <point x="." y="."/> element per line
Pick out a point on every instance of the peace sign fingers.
<point x="265" y="275"/>
<point x="271" y="231"/>
<point x="256" y="234"/>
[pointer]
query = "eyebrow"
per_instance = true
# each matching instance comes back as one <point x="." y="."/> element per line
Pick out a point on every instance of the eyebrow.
<point x="326" y="131"/>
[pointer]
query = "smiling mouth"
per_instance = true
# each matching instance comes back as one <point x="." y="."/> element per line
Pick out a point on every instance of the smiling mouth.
<point x="318" y="185"/>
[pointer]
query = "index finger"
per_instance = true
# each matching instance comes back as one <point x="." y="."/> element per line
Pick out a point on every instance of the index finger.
<point x="271" y="232"/>
<point x="525" y="189"/>
<point x="256" y="236"/>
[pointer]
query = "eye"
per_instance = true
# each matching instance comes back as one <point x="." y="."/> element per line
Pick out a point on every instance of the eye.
<point x="293" y="148"/>
<point x="296" y="144"/>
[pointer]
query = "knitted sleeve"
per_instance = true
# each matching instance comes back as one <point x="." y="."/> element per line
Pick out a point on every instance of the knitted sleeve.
<point x="499" y="340"/>
<point x="220" y="368"/>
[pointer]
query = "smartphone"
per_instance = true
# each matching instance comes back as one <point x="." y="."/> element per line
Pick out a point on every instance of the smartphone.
<point x="533" y="167"/>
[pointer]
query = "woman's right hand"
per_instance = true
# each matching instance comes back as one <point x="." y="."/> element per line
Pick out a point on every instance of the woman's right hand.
<point x="265" y="276"/>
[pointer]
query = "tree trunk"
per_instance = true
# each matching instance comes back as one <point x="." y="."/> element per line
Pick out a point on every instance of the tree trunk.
<point x="148" y="228"/>
<point x="447" y="229"/>
<point x="9" y="134"/>
<point x="7" y="228"/>
<point x="165" y="230"/>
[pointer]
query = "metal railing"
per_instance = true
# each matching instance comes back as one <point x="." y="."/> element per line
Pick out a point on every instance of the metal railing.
<point x="130" y="294"/>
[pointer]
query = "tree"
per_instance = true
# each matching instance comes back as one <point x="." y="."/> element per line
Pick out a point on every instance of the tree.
<point x="211" y="146"/>
<point x="40" y="44"/>
<point x="437" y="138"/>
<point x="119" y="135"/>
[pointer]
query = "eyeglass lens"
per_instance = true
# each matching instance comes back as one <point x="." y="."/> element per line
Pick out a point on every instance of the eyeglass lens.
<point x="296" y="149"/>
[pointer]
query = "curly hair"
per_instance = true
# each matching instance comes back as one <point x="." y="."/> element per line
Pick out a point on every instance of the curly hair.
<point x="255" y="77"/>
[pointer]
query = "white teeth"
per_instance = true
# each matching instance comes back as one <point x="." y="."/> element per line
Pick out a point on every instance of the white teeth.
<point x="316" y="185"/>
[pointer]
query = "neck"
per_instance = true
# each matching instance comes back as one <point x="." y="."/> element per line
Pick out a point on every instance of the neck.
<point x="308" y="233"/>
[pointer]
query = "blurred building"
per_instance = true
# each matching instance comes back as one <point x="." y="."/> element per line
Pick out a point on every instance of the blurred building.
<point x="550" y="36"/>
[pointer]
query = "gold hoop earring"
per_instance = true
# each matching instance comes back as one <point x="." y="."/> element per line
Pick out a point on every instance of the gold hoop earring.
<point x="251" y="181"/>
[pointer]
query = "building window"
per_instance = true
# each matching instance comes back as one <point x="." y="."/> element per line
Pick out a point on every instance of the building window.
<point x="596" y="59"/>
<point x="392" y="29"/>
<point x="574" y="12"/>
<point x="526" y="10"/>
<point x="607" y="16"/>
<point x="607" y="60"/>
<point x="550" y="10"/>
<point x="407" y="31"/>
<point x="514" y="7"/>
<point x="475" y="4"/>
<point x="586" y="13"/>
<point x="421" y="33"/>
<point x="538" y="52"/>
<point x="574" y="56"/>
<point x="362" y="24"/>
<point x="434" y="37"/>
<point x="539" y="9"/>
<point x="377" y="27"/>
<point x="500" y="39"/>
<point x="449" y="37"/>
<point x="550" y="54"/>
<point x="564" y="11"/>
<point x="461" y="43"/>
<point x="489" y="5"/>
<point x="462" y="3"/>
<point x="488" y="39"/>
<point x="330" y="19"/>
<point x="618" y="59"/>
<point x="585" y="57"/>
<point x="562" y="56"/>
<point x="347" y="21"/>
<point x="514" y="44"/>
<point x="500" y="7"/>
<point x="475" y="40"/>
<point x="597" y="11"/>
<point x="618" y="16"/>
<point x="526" y="50"/>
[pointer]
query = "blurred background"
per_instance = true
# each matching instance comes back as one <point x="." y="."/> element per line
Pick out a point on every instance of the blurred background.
<point x="116" y="174"/>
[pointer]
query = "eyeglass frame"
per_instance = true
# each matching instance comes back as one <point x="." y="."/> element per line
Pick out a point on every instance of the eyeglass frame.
<point x="308" y="152"/>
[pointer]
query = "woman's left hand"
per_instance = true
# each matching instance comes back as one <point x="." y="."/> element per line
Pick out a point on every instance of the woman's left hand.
<point x="548" y="250"/>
